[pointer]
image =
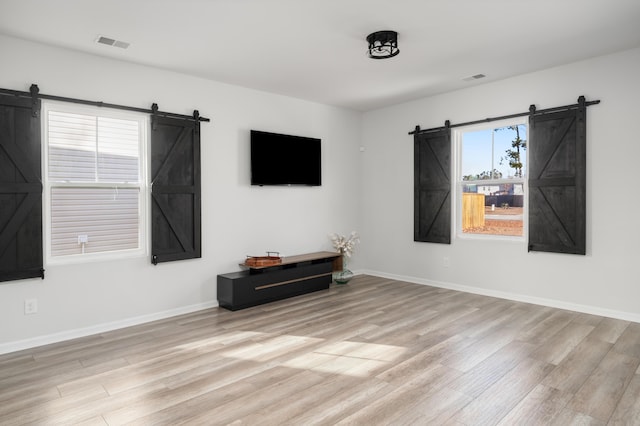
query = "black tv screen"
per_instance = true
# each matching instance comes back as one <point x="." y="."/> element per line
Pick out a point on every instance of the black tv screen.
<point x="278" y="159"/>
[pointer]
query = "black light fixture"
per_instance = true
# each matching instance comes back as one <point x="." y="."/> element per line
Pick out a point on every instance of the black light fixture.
<point x="383" y="44"/>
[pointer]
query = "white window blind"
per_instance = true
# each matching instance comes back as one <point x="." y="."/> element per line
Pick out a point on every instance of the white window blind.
<point x="94" y="180"/>
<point x="83" y="148"/>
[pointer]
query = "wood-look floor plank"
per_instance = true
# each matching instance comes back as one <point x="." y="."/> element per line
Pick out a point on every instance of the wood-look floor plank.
<point x="499" y="399"/>
<point x="539" y="407"/>
<point x="541" y="330"/>
<point x="402" y="398"/>
<point x="94" y="421"/>
<point x="172" y="406"/>
<point x="342" y="403"/>
<point x="402" y="330"/>
<point x="16" y="361"/>
<point x="375" y="351"/>
<point x="588" y="319"/>
<point x="496" y="315"/>
<point x="629" y="341"/>
<point x="558" y="346"/>
<point x="477" y="380"/>
<point x="601" y="392"/>
<point x="628" y="409"/>
<point x="52" y="411"/>
<point x="480" y="349"/>
<point x="609" y="330"/>
<point x="292" y="408"/>
<point x="415" y="364"/>
<point x="571" y="418"/>
<point x="578" y="365"/>
<point x="271" y="395"/>
<point x="14" y="401"/>
<point x="434" y="408"/>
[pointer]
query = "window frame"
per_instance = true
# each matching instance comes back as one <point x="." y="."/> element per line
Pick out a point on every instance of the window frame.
<point x="143" y="196"/>
<point x="457" y="182"/>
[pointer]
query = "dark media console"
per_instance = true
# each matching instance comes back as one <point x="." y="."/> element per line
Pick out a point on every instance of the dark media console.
<point x="294" y="276"/>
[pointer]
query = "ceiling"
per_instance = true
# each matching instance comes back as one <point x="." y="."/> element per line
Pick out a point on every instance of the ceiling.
<point x="315" y="49"/>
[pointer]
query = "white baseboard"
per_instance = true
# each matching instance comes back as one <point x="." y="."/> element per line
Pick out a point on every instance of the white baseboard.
<point x="552" y="303"/>
<point x="100" y="328"/>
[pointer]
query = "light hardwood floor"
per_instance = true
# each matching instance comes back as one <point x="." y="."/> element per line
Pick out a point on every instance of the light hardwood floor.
<point x="373" y="352"/>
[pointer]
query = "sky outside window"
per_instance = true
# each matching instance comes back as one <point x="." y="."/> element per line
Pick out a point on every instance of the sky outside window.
<point x="478" y="155"/>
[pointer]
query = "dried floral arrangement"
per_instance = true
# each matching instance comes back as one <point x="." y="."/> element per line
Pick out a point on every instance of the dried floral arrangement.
<point x="343" y="244"/>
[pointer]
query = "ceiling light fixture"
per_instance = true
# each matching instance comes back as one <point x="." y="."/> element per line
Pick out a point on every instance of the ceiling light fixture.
<point x="383" y="44"/>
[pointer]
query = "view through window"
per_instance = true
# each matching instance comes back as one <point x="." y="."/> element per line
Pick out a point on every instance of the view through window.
<point x="491" y="180"/>
<point x="94" y="181"/>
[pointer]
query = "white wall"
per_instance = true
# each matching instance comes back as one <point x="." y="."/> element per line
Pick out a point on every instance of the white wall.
<point x="606" y="280"/>
<point x="237" y="219"/>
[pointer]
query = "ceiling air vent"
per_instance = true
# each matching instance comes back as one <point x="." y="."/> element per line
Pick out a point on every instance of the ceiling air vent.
<point x="474" y="77"/>
<point x="111" y="42"/>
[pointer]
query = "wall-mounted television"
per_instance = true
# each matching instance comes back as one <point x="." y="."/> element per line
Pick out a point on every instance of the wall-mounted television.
<point x="278" y="159"/>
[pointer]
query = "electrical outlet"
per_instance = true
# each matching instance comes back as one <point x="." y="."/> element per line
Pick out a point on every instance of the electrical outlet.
<point x="30" y="306"/>
<point x="446" y="262"/>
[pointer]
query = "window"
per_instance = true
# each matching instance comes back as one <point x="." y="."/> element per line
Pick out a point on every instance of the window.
<point x="551" y="173"/>
<point x="95" y="174"/>
<point x="491" y="179"/>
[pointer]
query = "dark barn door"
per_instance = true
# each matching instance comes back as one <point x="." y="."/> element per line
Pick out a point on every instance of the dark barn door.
<point x="432" y="186"/>
<point x="20" y="189"/>
<point x="175" y="190"/>
<point x="557" y="181"/>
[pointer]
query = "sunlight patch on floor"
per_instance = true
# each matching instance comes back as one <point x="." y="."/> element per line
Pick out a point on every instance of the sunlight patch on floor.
<point x="366" y="350"/>
<point x="350" y="358"/>
<point x="268" y="349"/>
<point x="359" y="359"/>
<point x="221" y="339"/>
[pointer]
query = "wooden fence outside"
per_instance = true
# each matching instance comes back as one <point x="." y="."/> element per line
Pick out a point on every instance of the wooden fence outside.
<point x="472" y="211"/>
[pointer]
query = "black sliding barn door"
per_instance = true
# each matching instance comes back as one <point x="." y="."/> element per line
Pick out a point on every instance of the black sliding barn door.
<point x="175" y="190"/>
<point x="557" y="181"/>
<point x="432" y="186"/>
<point x="20" y="189"/>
